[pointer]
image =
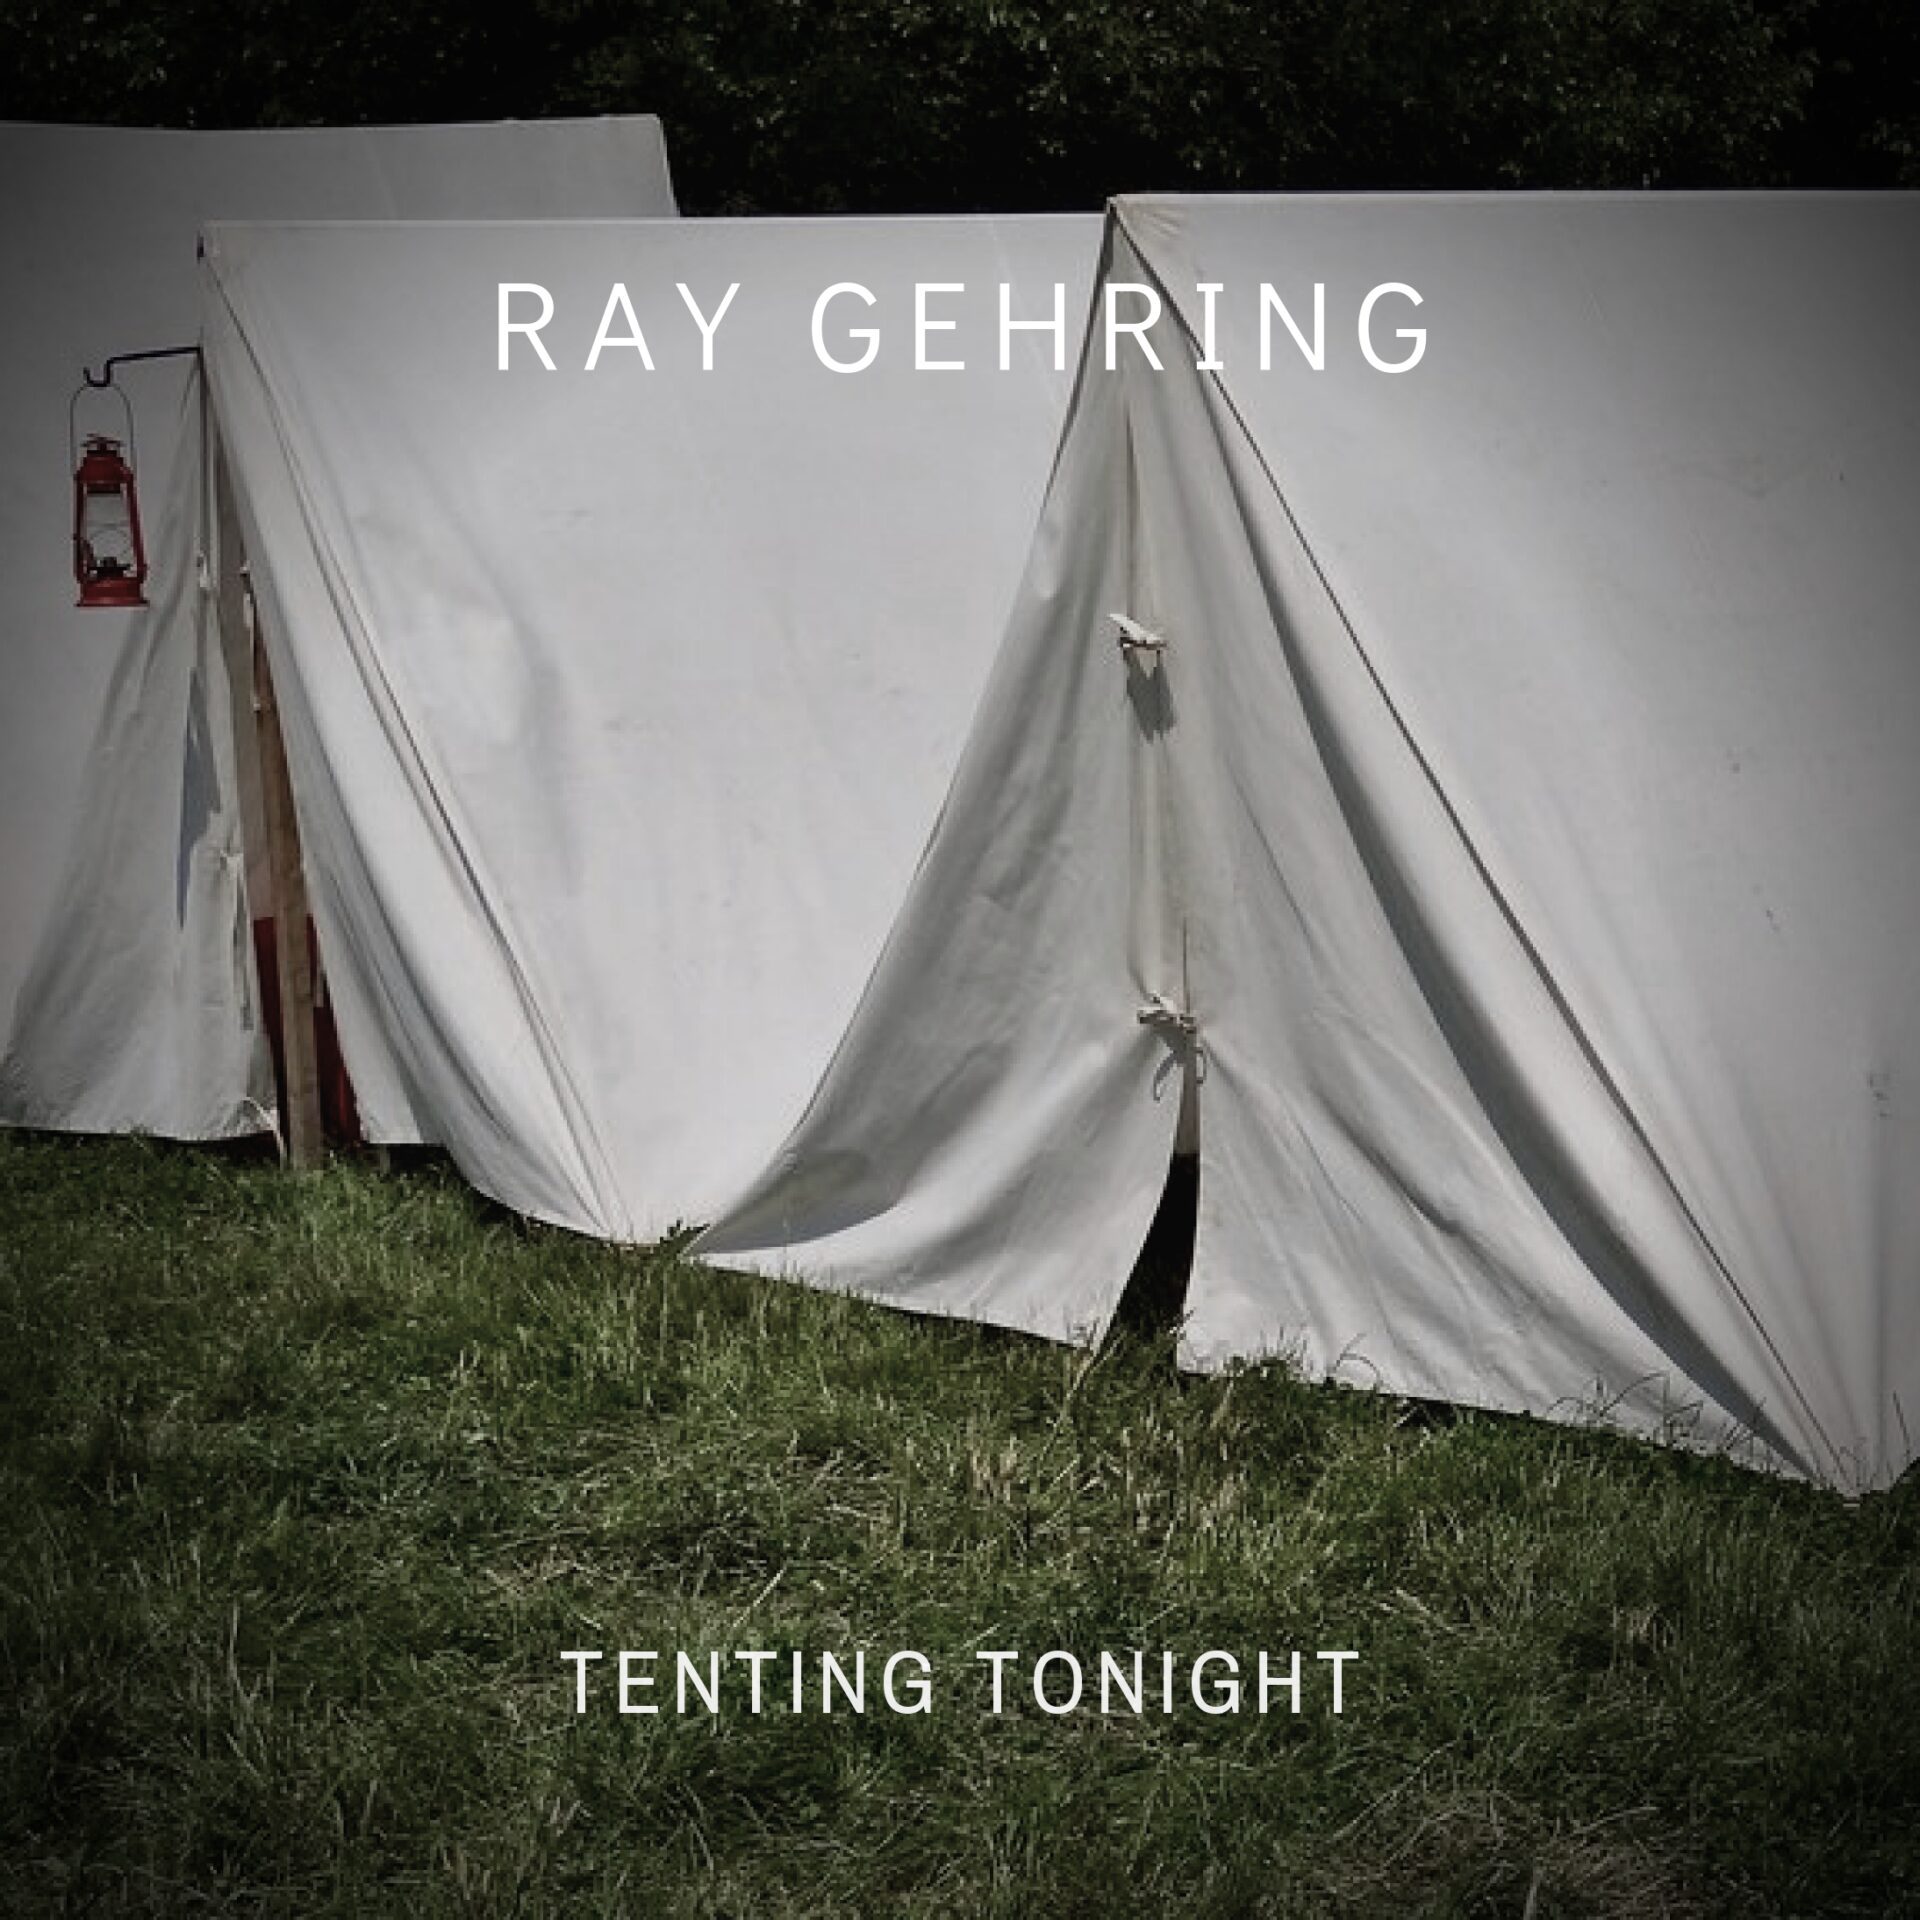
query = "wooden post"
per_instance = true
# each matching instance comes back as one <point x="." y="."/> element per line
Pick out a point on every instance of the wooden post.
<point x="299" y="1051"/>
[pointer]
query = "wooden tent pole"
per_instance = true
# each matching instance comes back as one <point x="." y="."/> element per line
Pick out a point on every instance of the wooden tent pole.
<point x="293" y="958"/>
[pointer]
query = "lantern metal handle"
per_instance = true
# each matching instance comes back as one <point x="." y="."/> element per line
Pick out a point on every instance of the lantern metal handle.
<point x="126" y="407"/>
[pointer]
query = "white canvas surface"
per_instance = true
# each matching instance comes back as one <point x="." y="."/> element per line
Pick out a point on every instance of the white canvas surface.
<point x="98" y="231"/>
<point x="1521" y="810"/>
<point x="620" y="703"/>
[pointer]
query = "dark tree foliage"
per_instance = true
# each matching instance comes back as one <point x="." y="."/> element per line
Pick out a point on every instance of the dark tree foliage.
<point x="892" y="105"/>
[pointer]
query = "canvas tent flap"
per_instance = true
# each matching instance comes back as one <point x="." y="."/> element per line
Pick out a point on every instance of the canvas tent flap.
<point x="991" y="1139"/>
<point x="157" y="1029"/>
<point x="1540" y="737"/>
<point x="619" y="702"/>
<point x="99" y="227"/>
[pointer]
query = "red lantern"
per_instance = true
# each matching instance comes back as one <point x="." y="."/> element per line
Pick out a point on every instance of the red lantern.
<point x="109" y="556"/>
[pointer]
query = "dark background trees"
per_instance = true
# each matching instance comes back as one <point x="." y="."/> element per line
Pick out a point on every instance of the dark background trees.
<point x="894" y="105"/>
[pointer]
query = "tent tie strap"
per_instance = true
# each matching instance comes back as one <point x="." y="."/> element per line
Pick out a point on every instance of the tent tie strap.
<point x="1134" y="639"/>
<point x="1160" y="1012"/>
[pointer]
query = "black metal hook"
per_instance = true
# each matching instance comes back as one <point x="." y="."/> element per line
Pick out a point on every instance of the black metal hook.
<point x="104" y="378"/>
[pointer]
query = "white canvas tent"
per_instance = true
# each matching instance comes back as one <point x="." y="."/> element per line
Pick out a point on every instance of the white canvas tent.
<point x="98" y="228"/>
<point x="1511" y="845"/>
<point x="1492" y="836"/>
<point x="618" y="703"/>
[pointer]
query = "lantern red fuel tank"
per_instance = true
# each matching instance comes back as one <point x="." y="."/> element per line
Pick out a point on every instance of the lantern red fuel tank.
<point x="109" y="556"/>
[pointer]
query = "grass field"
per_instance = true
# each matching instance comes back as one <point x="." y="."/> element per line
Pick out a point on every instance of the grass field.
<point x="309" y="1482"/>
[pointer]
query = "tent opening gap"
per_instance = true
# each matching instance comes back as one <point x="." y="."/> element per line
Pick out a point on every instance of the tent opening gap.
<point x="1156" y="1292"/>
